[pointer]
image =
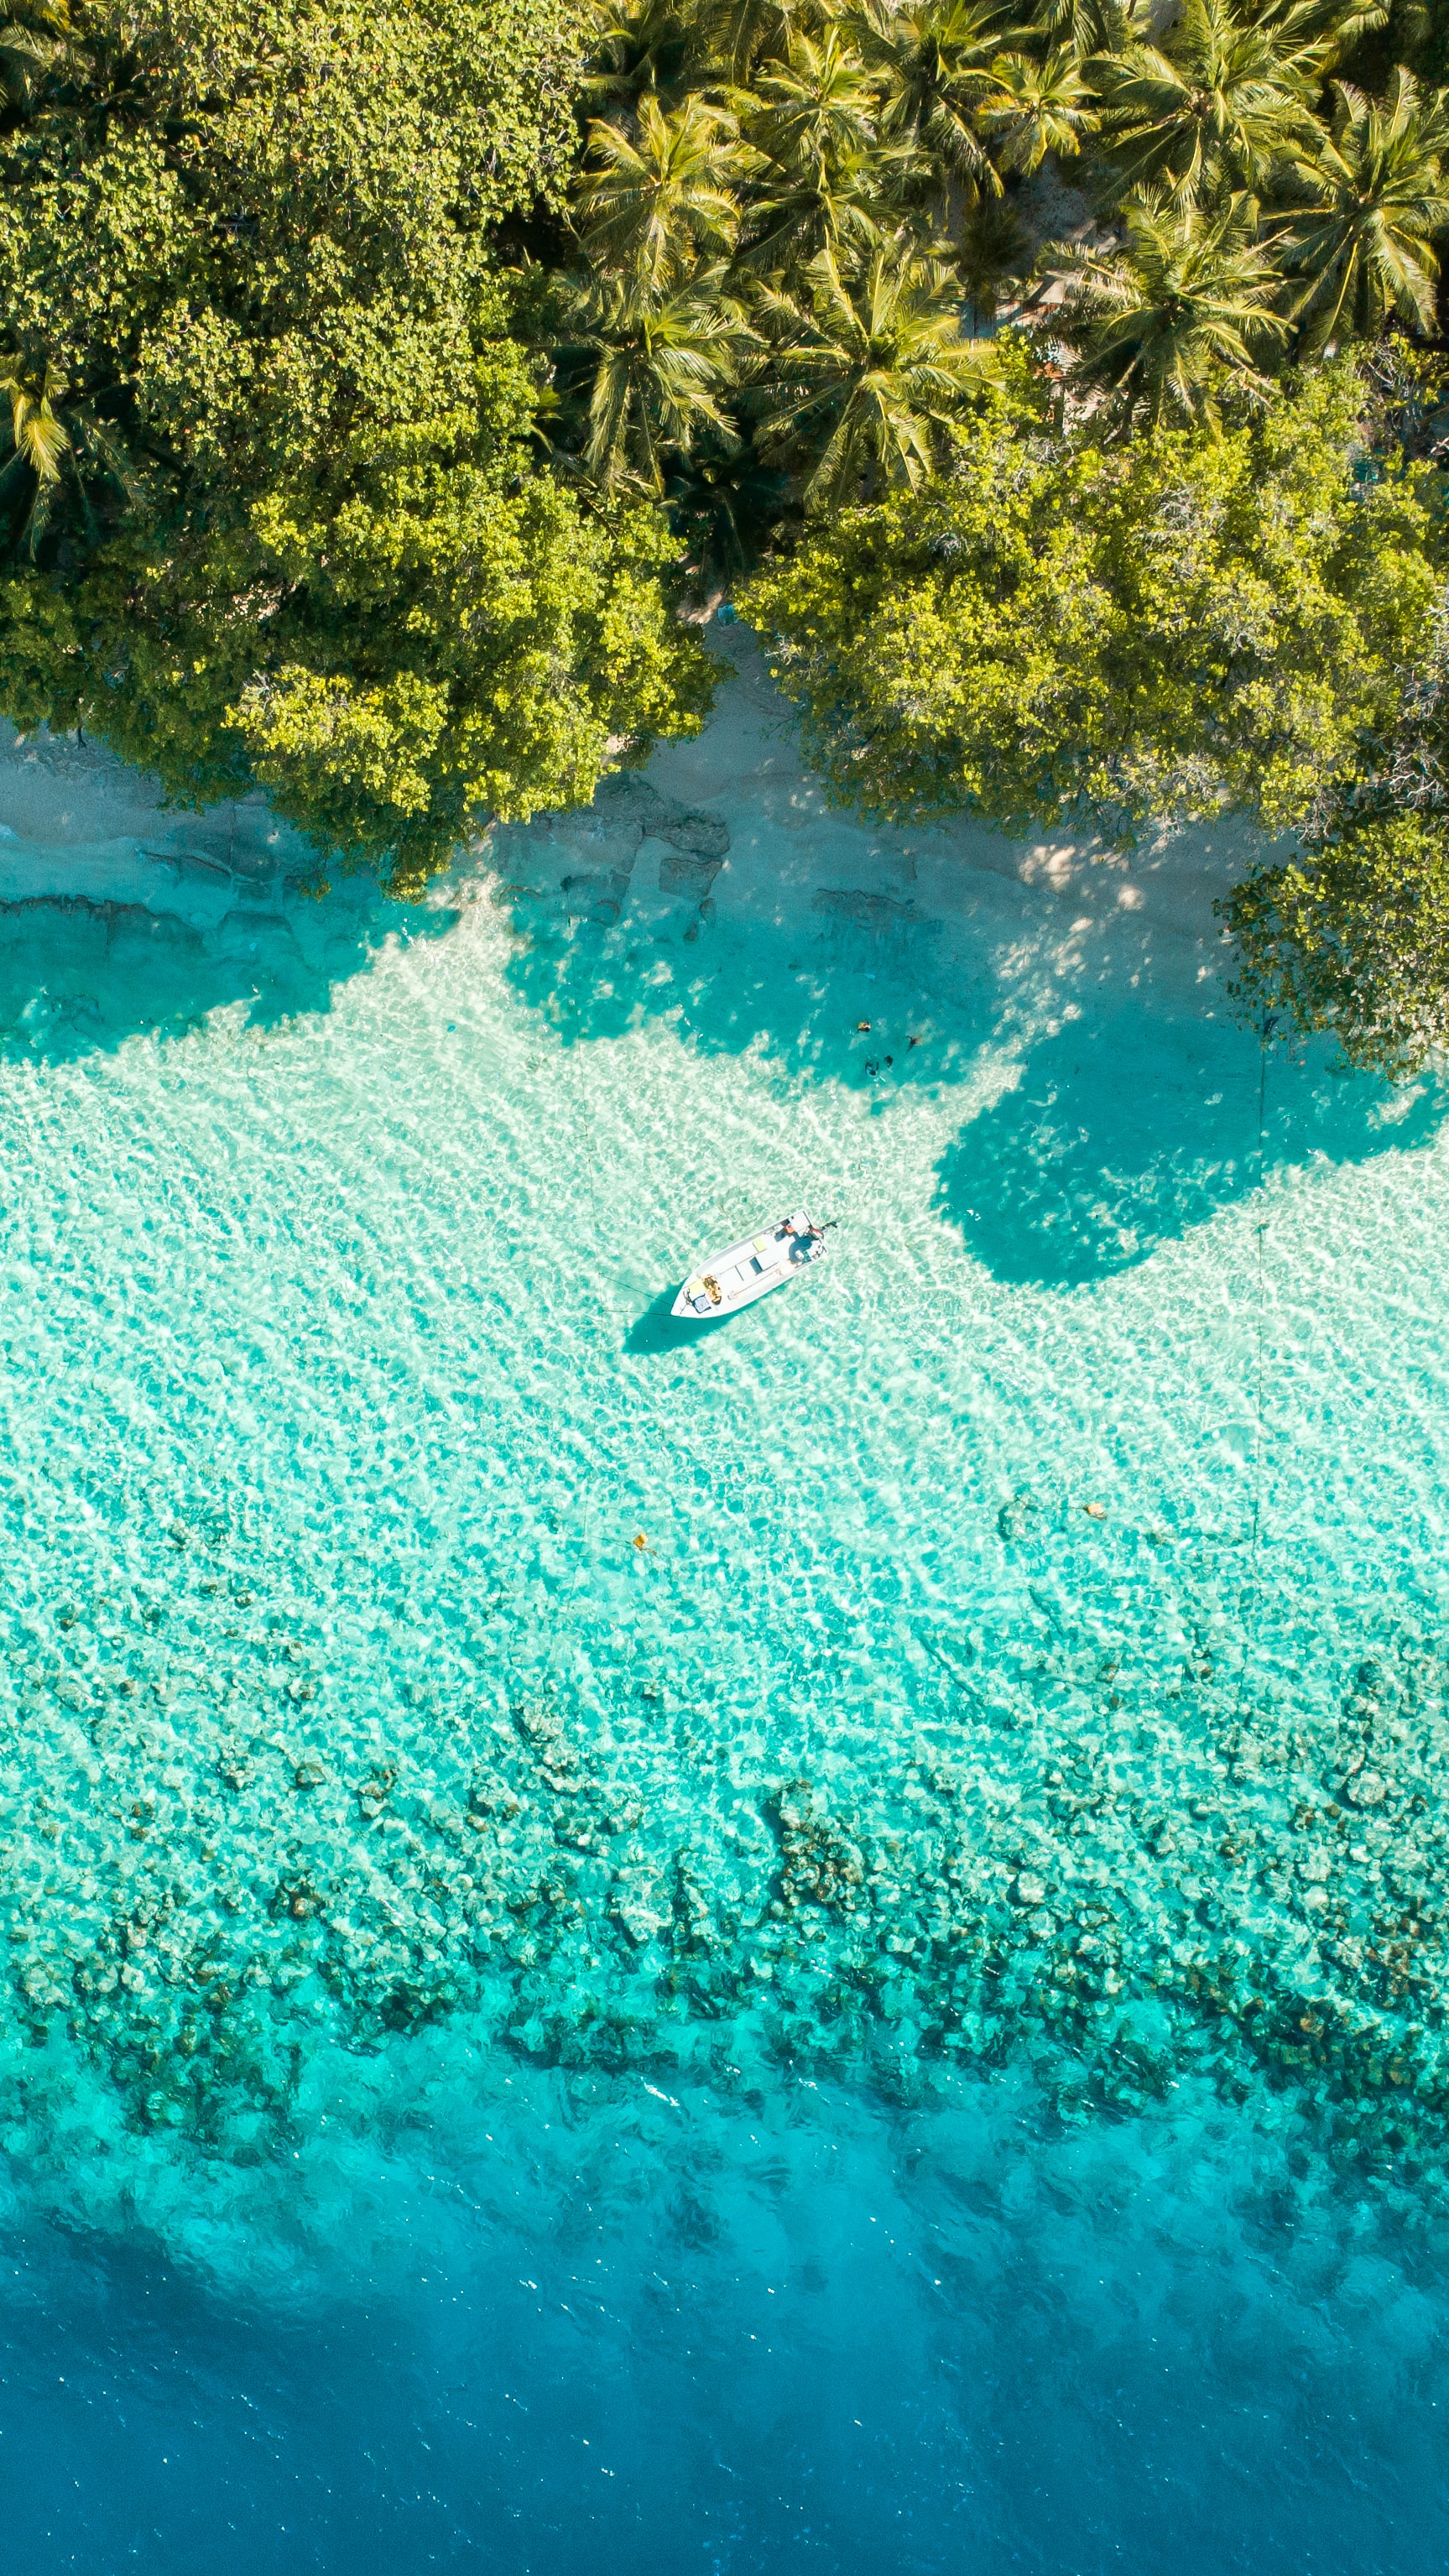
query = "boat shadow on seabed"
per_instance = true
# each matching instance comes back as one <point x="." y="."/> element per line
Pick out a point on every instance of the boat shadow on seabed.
<point x="659" y="1330"/>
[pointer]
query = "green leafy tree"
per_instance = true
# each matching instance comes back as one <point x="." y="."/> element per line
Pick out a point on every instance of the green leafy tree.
<point x="1352" y="940"/>
<point x="299" y="532"/>
<point x="1068" y="631"/>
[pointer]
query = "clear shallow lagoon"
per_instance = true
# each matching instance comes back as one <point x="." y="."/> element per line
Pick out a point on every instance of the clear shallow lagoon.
<point x="896" y="2022"/>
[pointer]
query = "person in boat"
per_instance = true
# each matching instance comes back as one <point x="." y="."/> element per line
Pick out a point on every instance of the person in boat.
<point x="802" y="1238"/>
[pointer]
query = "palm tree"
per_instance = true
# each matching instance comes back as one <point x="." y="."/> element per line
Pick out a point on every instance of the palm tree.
<point x="817" y="104"/>
<point x="39" y="436"/>
<point x="746" y="33"/>
<point x="1188" y="299"/>
<point x="656" y="362"/>
<point x="1220" y="105"/>
<point x="880" y="368"/>
<point x="1034" y="107"/>
<point x="934" y="59"/>
<point x="36" y="42"/>
<point x="655" y="204"/>
<point x="80" y="448"/>
<point x="1328" y="29"/>
<point x="1086" y="27"/>
<point x="640" y="51"/>
<point x="1375" y="200"/>
<point x="824" y="174"/>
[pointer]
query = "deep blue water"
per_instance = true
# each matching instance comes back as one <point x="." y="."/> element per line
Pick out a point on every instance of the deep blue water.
<point x="847" y="2344"/>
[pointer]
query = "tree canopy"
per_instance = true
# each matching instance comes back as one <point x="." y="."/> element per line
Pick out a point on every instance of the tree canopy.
<point x="276" y="509"/>
<point x="1077" y="626"/>
<point x="1352" y="938"/>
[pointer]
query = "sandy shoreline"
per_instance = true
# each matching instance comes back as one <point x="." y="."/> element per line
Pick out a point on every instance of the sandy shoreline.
<point x="729" y="828"/>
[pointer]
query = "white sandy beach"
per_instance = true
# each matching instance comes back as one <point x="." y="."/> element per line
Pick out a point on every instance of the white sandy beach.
<point x="1065" y="926"/>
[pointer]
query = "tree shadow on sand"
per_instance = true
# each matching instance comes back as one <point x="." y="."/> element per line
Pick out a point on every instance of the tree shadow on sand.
<point x="802" y="994"/>
<point x="1113" y="1143"/>
<point x="79" y="976"/>
<point x="1125" y="1130"/>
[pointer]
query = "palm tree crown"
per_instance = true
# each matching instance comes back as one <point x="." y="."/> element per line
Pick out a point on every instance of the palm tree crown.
<point x="649" y="203"/>
<point x="1038" y="105"/>
<point x="881" y="365"/>
<point x="935" y="64"/>
<point x="824" y="174"/>
<point x="40" y="438"/>
<point x="638" y="50"/>
<point x="659" y="360"/>
<point x="1190" y="297"/>
<point x="1218" y="106"/>
<point x="1376" y="197"/>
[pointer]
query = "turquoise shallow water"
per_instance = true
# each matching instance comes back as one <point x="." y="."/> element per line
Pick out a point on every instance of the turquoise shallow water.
<point x="903" y="2012"/>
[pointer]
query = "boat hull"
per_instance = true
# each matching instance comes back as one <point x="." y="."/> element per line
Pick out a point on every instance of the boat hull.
<point x="729" y="1281"/>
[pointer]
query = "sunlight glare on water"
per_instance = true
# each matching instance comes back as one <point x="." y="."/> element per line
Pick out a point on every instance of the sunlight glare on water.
<point x="816" y="1936"/>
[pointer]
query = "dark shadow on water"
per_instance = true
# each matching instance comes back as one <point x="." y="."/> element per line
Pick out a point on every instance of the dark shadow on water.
<point x="79" y="976"/>
<point x="1124" y="1131"/>
<point x="657" y="1331"/>
<point x="803" y="992"/>
<point x="1114" y="1142"/>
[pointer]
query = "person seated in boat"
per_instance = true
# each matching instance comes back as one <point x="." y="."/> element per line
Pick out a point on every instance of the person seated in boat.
<point x="799" y="1236"/>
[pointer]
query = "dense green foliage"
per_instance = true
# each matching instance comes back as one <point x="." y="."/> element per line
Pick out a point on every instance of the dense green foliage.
<point x="1352" y="934"/>
<point x="275" y="508"/>
<point x="788" y="210"/>
<point x="1139" y="628"/>
<point x="377" y="380"/>
<point x="1071" y="629"/>
<point x="1354" y="937"/>
<point x="1173" y="546"/>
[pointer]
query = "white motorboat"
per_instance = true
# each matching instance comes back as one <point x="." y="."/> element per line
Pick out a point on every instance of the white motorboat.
<point x="729" y="1280"/>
